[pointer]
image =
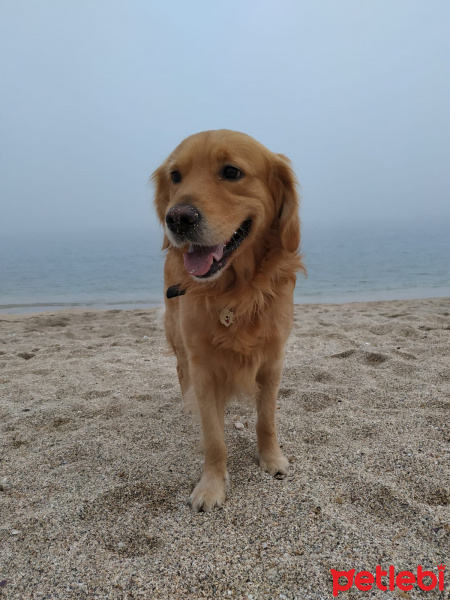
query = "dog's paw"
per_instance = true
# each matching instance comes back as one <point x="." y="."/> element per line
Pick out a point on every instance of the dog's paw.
<point x="209" y="493"/>
<point x="276" y="464"/>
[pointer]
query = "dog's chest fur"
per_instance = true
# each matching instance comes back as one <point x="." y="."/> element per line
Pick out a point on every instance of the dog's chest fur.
<point x="246" y="334"/>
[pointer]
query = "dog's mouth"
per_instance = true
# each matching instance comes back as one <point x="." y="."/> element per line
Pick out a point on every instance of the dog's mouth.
<point x="206" y="261"/>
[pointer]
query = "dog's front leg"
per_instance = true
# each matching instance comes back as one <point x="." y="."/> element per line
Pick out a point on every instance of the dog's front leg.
<point x="211" y="489"/>
<point x="271" y="459"/>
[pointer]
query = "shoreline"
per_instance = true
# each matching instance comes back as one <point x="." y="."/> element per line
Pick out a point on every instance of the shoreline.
<point x="339" y="298"/>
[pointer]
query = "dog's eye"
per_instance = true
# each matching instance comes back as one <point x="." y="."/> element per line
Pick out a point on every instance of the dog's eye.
<point x="176" y="176"/>
<point x="231" y="173"/>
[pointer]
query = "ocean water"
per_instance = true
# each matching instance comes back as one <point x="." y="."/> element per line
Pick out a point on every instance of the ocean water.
<point x="125" y="270"/>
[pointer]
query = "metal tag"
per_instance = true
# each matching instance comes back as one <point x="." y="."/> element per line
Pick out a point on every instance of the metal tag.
<point x="226" y="317"/>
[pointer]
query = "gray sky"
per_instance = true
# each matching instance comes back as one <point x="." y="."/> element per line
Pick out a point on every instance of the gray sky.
<point x="96" y="93"/>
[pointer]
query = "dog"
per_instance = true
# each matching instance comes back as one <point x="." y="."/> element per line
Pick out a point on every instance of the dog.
<point x="229" y="208"/>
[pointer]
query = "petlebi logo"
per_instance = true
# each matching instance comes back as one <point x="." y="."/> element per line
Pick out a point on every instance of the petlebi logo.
<point x="403" y="581"/>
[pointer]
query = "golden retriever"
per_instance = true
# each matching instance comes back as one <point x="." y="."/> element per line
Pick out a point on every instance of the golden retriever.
<point x="229" y="208"/>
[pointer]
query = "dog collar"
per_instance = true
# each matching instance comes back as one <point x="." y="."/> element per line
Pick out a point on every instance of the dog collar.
<point x="226" y="316"/>
<point x="175" y="290"/>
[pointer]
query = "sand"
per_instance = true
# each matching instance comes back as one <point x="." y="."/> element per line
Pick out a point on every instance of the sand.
<point x="97" y="459"/>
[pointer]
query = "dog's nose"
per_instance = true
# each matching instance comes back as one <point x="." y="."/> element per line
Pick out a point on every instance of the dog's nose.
<point x="181" y="218"/>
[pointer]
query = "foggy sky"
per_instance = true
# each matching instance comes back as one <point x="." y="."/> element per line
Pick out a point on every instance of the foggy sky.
<point x="95" y="94"/>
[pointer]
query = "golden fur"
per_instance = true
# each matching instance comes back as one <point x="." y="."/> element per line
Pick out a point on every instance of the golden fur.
<point x="216" y="362"/>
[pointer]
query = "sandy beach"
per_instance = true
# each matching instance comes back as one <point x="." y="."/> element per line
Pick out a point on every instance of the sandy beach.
<point x="97" y="460"/>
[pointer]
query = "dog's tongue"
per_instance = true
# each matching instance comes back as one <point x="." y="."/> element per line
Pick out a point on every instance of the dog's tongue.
<point x="198" y="259"/>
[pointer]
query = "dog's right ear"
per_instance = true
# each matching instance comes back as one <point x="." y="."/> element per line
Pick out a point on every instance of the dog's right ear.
<point x="160" y="179"/>
<point x="284" y="185"/>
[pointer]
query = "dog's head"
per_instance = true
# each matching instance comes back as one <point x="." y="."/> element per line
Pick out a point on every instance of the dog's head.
<point x="221" y="192"/>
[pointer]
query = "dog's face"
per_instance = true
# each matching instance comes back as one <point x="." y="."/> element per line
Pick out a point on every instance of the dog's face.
<point x="218" y="192"/>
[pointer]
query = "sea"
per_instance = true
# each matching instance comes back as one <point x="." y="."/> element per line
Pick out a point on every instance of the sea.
<point x="124" y="269"/>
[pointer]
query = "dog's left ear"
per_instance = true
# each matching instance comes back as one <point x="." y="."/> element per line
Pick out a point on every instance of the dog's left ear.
<point x="284" y="188"/>
<point x="160" y="180"/>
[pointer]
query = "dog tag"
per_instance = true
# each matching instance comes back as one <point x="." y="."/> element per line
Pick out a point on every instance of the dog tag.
<point x="226" y="317"/>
